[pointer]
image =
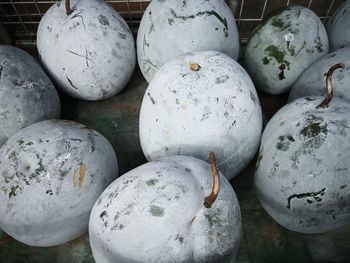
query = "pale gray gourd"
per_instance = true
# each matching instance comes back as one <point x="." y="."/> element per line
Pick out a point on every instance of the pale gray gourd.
<point x="200" y="102"/>
<point x="51" y="174"/>
<point x="27" y="94"/>
<point x="87" y="48"/>
<point x="284" y="45"/>
<point x="302" y="174"/>
<point x="171" y="28"/>
<point x="175" y="209"/>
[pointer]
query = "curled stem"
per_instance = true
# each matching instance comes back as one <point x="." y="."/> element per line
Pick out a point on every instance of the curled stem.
<point x="209" y="200"/>
<point x="329" y="85"/>
<point x="68" y="9"/>
<point x="195" y="66"/>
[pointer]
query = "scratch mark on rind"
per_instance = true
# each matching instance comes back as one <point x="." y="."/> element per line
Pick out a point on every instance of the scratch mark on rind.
<point x="71" y="83"/>
<point x="202" y="13"/>
<point x="314" y="195"/>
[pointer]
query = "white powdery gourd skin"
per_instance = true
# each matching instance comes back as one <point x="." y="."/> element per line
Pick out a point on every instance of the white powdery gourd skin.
<point x="338" y="27"/>
<point x="51" y="174"/>
<point x="155" y="213"/>
<point x="284" y="46"/>
<point x="194" y="112"/>
<point x="171" y="28"/>
<point x="28" y="95"/>
<point x="302" y="177"/>
<point x="90" y="54"/>
<point x="313" y="80"/>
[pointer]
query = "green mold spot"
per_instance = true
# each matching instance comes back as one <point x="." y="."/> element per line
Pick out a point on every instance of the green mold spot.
<point x="20" y="141"/>
<point x="152" y="182"/>
<point x="318" y="45"/>
<point x="62" y="174"/>
<point x="276" y="53"/>
<point x="13" y="191"/>
<point x="273" y="171"/>
<point x="277" y="22"/>
<point x="266" y="61"/>
<point x="284" y="142"/>
<point x="103" y="215"/>
<point x="313" y="129"/>
<point x="41" y="167"/>
<point x="156" y="211"/>
<point x="290" y="137"/>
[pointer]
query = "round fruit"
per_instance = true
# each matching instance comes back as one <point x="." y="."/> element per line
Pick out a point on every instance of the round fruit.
<point x="170" y="28"/>
<point x="312" y="80"/>
<point x="201" y="102"/>
<point x="28" y="95"/>
<point x="338" y="27"/>
<point x="159" y="212"/>
<point x="87" y="48"/>
<point x="282" y="47"/>
<point x="51" y="174"/>
<point x="302" y="177"/>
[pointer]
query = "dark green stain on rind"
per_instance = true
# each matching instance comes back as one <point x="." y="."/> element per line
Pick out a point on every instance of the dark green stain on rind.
<point x="277" y="54"/>
<point x="284" y="142"/>
<point x="152" y="182"/>
<point x="314" y="128"/>
<point x="314" y="195"/>
<point x="266" y="60"/>
<point x="156" y="211"/>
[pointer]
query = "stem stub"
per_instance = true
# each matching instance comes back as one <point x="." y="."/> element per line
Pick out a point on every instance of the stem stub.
<point x="209" y="200"/>
<point x="195" y="66"/>
<point x="329" y="85"/>
<point x="68" y="9"/>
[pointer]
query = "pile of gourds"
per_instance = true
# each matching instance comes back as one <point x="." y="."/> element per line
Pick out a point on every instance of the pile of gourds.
<point x="58" y="177"/>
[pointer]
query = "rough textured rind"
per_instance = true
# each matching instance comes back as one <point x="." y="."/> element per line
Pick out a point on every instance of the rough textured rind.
<point x="312" y="82"/>
<point x="283" y="46"/>
<point x="338" y="27"/>
<point x="302" y="176"/>
<point x="51" y="174"/>
<point x="90" y="54"/>
<point x="170" y="28"/>
<point x="155" y="213"/>
<point x="27" y="94"/>
<point x="194" y="112"/>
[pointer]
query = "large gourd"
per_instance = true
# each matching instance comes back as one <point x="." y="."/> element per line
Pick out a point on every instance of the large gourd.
<point x="284" y="45"/>
<point x="338" y="27"/>
<point x="170" y="28"/>
<point x="176" y="209"/>
<point x="27" y="94"/>
<point x="200" y="102"/>
<point x="51" y="174"/>
<point x="312" y="81"/>
<point x="302" y="175"/>
<point x="87" y="48"/>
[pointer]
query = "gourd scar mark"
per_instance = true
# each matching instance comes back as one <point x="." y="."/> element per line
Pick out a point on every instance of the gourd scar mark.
<point x="71" y="83"/>
<point x="87" y="59"/>
<point x="78" y="15"/>
<point x="202" y="13"/>
<point x="315" y="195"/>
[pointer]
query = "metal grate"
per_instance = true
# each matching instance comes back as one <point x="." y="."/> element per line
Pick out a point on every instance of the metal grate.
<point x="21" y="17"/>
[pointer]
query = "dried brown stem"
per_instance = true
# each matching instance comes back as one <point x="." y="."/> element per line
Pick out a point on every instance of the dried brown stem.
<point x="195" y="66"/>
<point x="209" y="200"/>
<point x="68" y="9"/>
<point x="329" y="85"/>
